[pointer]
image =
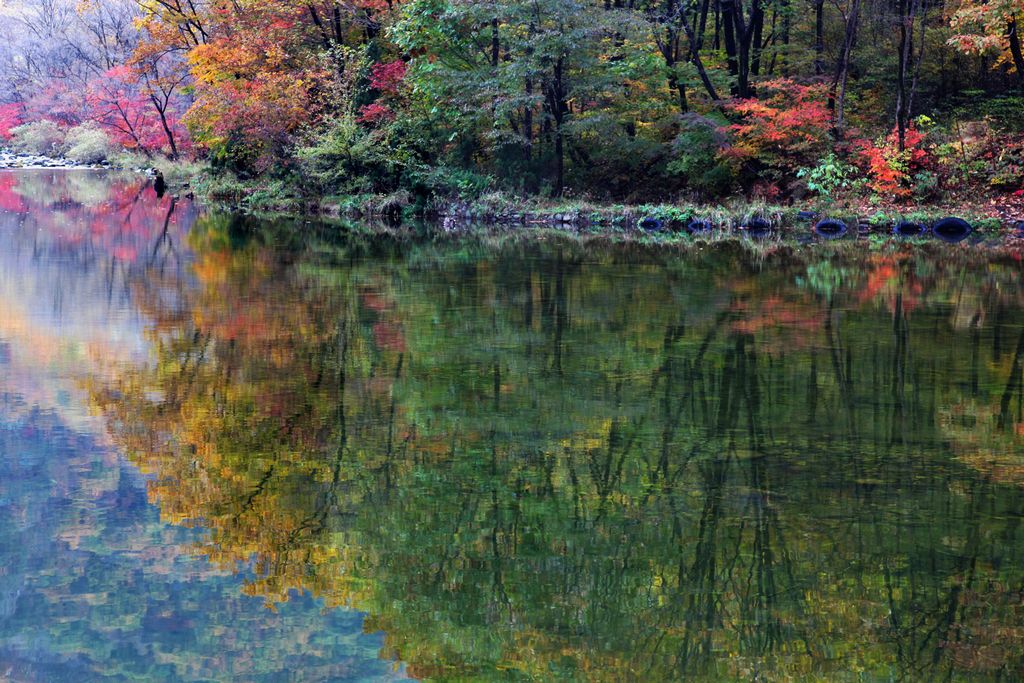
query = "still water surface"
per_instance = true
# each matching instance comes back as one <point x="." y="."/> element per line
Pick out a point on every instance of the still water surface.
<point x="227" y="453"/>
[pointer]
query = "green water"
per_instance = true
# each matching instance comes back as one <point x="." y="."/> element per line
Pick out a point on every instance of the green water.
<point x="228" y="452"/>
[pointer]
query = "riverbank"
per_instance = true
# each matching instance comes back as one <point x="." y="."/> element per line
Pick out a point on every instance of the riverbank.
<point x="988" y="216"/>
<point x="985" y="221"/>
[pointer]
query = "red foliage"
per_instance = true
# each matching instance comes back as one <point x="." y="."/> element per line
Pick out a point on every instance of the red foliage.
<point x="376" y="113"/>
<point x="767" y="191"/>
<point x="10" y="117"/>
<point x="786" y="128"/>
<point x="387" y="78"/>
<point x="889" y="170"/>
<point x="121" y="103"/>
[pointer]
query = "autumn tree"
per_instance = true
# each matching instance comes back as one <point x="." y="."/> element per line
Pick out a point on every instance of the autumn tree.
<point x="983" y="26"/>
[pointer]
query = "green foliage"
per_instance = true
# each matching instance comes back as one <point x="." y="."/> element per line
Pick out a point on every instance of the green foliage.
<point x="483" y="109"/>
<point x="829" y="177"/>
<point x="88" y="144"/>
<point x="697" y="155"/>
<point x="38" y="137"/>
<point x="925" y="185"/>
<point x="346" y="158"/>
<point x="236" y="155"/>
<point x="273" y="194"/>
<point x="1003" y="111"/>
<point x="446" y="182"/>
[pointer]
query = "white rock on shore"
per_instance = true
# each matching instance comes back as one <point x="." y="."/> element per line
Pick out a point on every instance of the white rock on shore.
<point x="9" y="159"/>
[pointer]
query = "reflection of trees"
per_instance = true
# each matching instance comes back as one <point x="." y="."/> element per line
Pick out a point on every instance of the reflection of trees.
<point x="97" y="223"/>
<point x="559" y="466"/>
<point x="71" y="243"/>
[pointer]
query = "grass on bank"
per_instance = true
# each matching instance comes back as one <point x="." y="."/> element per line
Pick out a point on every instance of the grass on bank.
<point x="502" y="212"/>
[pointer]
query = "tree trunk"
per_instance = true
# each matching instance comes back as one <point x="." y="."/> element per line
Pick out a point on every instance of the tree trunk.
<point x="819" y="37"/>
<point x="676" y="84"/>
<point x="528" y="120"/>
<point x="906" y="40"/>
<point x="739" y="41"/>
<point x="756" y="38"/>
<point x="728" y="8"/>
<point x="695" y="43"/>
<point x="162" y="110"/>
<point x="701" y="26"/>
<point x="919" y="60"/>
<point x="558" y="111"/>
<point x="495" y="43"/>
<point x="837" y="99"/>
<point x="1015" y="51"/>
<point x="670" y="52"/>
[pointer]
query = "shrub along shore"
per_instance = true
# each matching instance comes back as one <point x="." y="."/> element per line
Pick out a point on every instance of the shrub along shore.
<point x="498" y="212"/>
<point x="813" y="220"/>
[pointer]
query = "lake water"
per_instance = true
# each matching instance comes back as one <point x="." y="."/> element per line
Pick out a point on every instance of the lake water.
<point x="244" y="451"/>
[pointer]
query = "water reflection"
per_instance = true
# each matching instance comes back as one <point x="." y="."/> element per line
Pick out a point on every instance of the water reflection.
<point x="92" y="585"/>
<point x="550" y="461"/>
<point x="527" y="460"/>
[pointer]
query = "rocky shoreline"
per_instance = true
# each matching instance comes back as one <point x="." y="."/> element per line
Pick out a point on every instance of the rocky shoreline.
<point x="14" y="160"/>
<point x="10" y="160"/>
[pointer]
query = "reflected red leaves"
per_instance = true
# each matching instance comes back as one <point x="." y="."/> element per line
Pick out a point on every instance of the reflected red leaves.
<point x="775" y="313"/>
<point x="10" y="200"/>
<point x="388" y="334"/>
<point x="889" y="281"/>
<point x="122" y="220"/>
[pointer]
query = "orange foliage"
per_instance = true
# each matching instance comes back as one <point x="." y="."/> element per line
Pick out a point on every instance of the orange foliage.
<point x="259" y="68"/>
<point x="890" y="170"/>
<point x="784" y="129"/>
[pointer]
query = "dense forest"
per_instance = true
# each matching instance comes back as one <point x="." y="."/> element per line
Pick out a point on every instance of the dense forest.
<point x="627" y="100"/>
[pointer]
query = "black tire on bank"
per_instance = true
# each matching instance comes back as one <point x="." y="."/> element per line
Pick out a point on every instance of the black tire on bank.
<point x="758" y="228"/>
<point x="952" y="229"/>
<point x="698" y="226"/>
<point x="651" y="224"/>
<point x="909" y="229"/>
<point x="830" y="228"/>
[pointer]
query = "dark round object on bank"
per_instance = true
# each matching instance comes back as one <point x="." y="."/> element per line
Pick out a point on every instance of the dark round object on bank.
<point x="698" y="226"/>
<point x="806" y="215"/>
<point x="830" y="228"/>
<point x="909" y="229"/>
<point x="651" y="224"/>
<point x="758" y="228"/>
<point x="952" y="229"/>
